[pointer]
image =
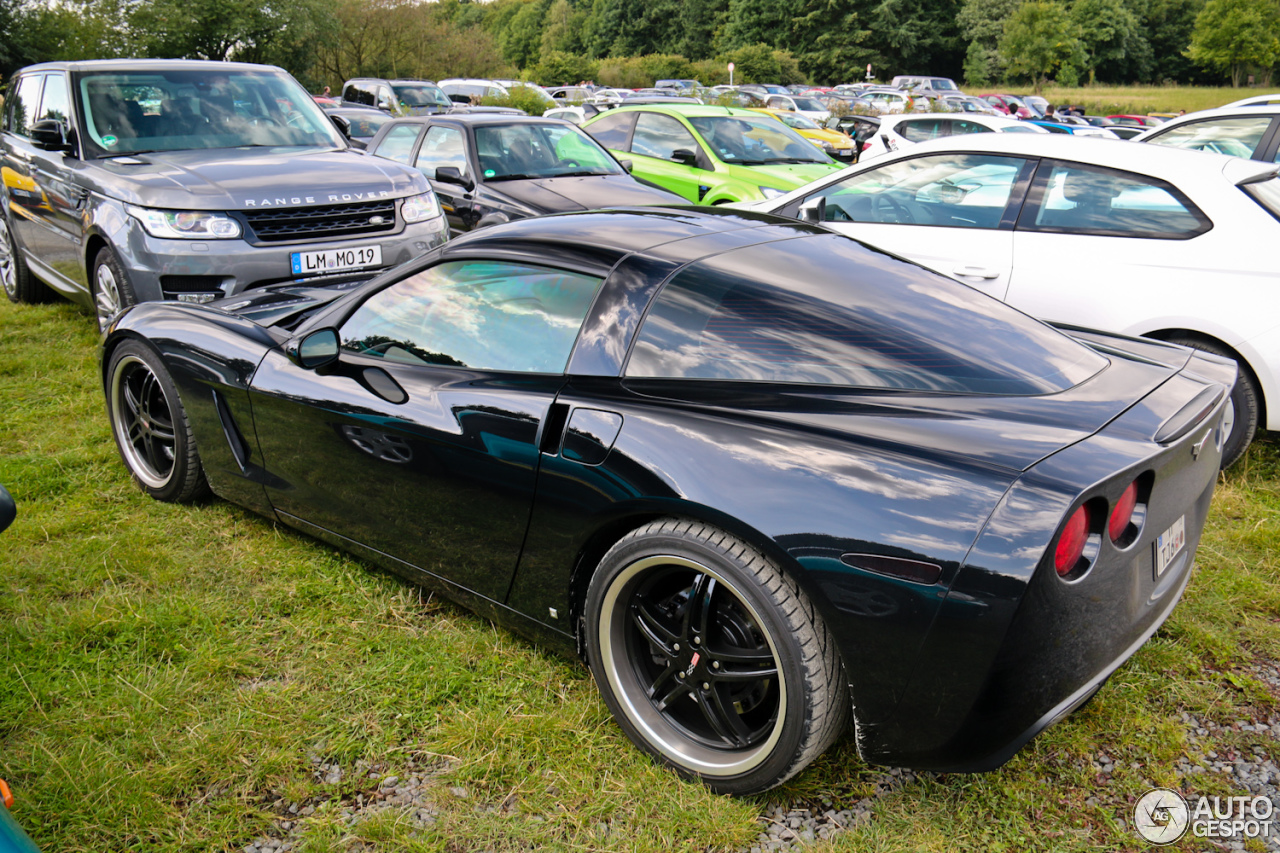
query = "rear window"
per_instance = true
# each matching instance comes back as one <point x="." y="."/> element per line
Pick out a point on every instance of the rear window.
<point x="827" y="310"/>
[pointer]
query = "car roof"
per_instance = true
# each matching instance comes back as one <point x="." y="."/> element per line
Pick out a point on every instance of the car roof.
<point x="1155" y="160"/>
<point x="1221" y="112"/>
<point x="479" y="118"/>
<point x="656" y="231"/>
<point x="689" y="110"/>
<point x="995" y="121"/>
<point x="148" y="65"/>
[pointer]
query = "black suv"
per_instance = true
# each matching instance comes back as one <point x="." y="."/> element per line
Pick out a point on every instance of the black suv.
<point x="135" y="180"/>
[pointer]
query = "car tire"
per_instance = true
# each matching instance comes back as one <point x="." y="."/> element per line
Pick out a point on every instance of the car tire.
<point x="665" y="607"/>
<point x="15" y="276"/>
<point x="112" y="290"/>
<point x="150" y="425"/>
<point x="1243" y="410"/>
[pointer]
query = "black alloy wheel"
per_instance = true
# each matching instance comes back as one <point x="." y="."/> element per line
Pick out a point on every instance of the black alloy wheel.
<point x="711" y="658"/>
<point x="150" y="426"/>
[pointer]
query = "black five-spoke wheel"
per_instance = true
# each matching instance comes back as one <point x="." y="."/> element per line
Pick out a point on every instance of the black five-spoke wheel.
<point x="149" y="425"/>
<point x="711" y="658"/>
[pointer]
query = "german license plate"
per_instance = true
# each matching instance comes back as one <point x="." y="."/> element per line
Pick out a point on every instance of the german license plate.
<point x="1170" y="543"/>
<point x="844" y="152"/>
<point x="336" y="260"/>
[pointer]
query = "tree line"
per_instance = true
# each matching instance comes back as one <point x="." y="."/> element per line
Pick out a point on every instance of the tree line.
<point x="632" y="42"/>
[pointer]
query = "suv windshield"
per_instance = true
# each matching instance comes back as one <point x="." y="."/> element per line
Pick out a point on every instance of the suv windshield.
<point x="516" y="151"/>
<point x="421" y="95"/>
<point x="759" y="141"/>
<point x="127" y="112"/>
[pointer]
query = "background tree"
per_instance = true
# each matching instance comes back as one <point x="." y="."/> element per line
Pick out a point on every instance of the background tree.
<point x="981" y="23"/>
<point x="1041" y="40"/>
<point x="283" y="32"/>
<point x="1168" y="25"/>
<point x="1112" y="39"/>
<point x="1232" y="35"/>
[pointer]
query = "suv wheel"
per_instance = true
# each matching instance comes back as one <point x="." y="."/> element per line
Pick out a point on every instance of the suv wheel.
<point x="19" y="284"/>
<point x="112" y="292"/>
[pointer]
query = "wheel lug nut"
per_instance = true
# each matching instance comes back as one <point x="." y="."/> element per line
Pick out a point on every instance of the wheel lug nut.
<point x="696" y="640"/>
<point x="715" y="664"/>
<point x="676" y="647"/>
<point x="706" y="686"/>
<point x="680" y="676"/>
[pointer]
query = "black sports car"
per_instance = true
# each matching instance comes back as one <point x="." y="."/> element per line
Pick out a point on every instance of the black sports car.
<point x="765" y="478"/>
<point x="488" y="169"/>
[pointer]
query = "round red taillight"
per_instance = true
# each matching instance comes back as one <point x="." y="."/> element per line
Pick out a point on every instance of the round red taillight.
<point x="1123" y="512"/>
<point x="1071" y="541"/>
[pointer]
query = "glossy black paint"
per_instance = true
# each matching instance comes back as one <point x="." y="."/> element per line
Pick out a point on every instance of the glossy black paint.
<point x="481" y="202"/>
<point x="504" y="490"/>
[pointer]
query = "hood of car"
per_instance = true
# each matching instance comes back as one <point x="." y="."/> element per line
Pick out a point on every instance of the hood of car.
<point x="786" y="176"/>
<point x="253" y="178"/>
<point x="835" y="137"/>
<point x="584" y="192"/>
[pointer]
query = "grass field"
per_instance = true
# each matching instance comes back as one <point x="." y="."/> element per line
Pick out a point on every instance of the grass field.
<point x="1140" y="100"/>
<point x="172" y="677"/>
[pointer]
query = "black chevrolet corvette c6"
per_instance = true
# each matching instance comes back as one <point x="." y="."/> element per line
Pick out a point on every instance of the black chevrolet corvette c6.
<point x="767" y="480"/>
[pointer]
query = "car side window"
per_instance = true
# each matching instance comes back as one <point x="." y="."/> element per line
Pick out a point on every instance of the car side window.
<point x="1238" y="137"/>
<point x="1074" y="198"/>
<point x="922" y="130"/>
<point x="612" y="130"/>
<point x="55" y="104"/>
<point x="659" y="136"/>
<point x="398" y="143"/>
<point x="483" y="315"/>
<point x="442" y="146"/>
<point x="961" y="126"/>
<point x="956" y="190"/>
<point x="27" y="102"/>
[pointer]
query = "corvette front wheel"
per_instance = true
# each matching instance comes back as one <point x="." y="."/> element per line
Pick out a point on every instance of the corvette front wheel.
<point x="711" y="658"/>
<point x="150" y="426"/>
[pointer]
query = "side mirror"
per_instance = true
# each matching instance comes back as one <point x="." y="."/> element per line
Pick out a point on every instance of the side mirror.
<point x="317" y="349"/>
<point x="50" y="134"/>
<point x="684" y="156"/>
<point x="626" y="165"/>
<point x="384" y="104"/>
<point x="814" y="211"/>
<point x="452" y="175"/>
<point x="343" y="125"/>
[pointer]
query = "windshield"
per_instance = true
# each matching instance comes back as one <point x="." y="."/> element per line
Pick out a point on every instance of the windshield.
<point x="755" y="141"/>
<point x="798" y="121"/>
<point x="126" y="112"/>
<point x="421" y="95"/>
<point x="942" y="84"/>
<point x="813" y="105"/>
<point x="515" y="151"/>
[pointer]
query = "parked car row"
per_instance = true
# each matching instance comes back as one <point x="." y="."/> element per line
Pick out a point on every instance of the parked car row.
<point x="767" y="480"/>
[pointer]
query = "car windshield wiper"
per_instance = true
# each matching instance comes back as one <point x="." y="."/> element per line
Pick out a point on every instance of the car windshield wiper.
<point x="515" y="177"/>
<point x="585" y="173"/>
<point x="791" y="160"/>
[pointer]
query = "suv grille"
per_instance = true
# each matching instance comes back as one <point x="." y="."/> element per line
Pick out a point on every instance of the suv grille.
<point x="312" y="223"/>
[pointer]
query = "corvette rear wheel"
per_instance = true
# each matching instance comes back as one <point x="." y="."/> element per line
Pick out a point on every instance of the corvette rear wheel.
<point x="1242" y="414"/>
<point x="711" y="659"/>
<point x="150" y="425"/>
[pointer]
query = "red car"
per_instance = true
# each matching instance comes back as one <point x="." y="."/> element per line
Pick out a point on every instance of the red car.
<point x="1140" y="121"/>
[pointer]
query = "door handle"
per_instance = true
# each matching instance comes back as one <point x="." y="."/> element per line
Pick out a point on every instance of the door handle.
<point x="976" y="272"/>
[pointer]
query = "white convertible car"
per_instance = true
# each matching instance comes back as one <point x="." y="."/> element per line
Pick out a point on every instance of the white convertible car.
<point x="1140" y="239"/>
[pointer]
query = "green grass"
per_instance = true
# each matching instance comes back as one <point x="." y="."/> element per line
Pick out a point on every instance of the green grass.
<point x="169" y="674"/>
<point x="1140" y="100"/>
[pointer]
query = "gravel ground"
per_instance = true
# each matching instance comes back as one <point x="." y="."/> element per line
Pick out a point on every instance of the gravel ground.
<point x="1250" y="770"/>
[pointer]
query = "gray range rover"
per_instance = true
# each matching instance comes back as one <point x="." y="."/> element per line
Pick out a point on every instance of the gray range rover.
<point x="134" y="180"/>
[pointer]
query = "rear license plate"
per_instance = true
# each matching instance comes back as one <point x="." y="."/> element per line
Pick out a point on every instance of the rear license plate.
<point x="336" y="260"/>
<point x="1170" y="543"/>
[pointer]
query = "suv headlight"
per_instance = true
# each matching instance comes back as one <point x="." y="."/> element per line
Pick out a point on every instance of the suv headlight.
<point x="770" y="192"/>
<point x="185" y="224"/>
<point x="416" y="208"/>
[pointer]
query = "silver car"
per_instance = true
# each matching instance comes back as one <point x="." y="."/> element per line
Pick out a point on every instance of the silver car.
<point x="142" y="180"/>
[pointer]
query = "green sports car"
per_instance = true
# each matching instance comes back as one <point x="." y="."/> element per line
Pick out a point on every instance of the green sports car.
<point x="709" y="154"/>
